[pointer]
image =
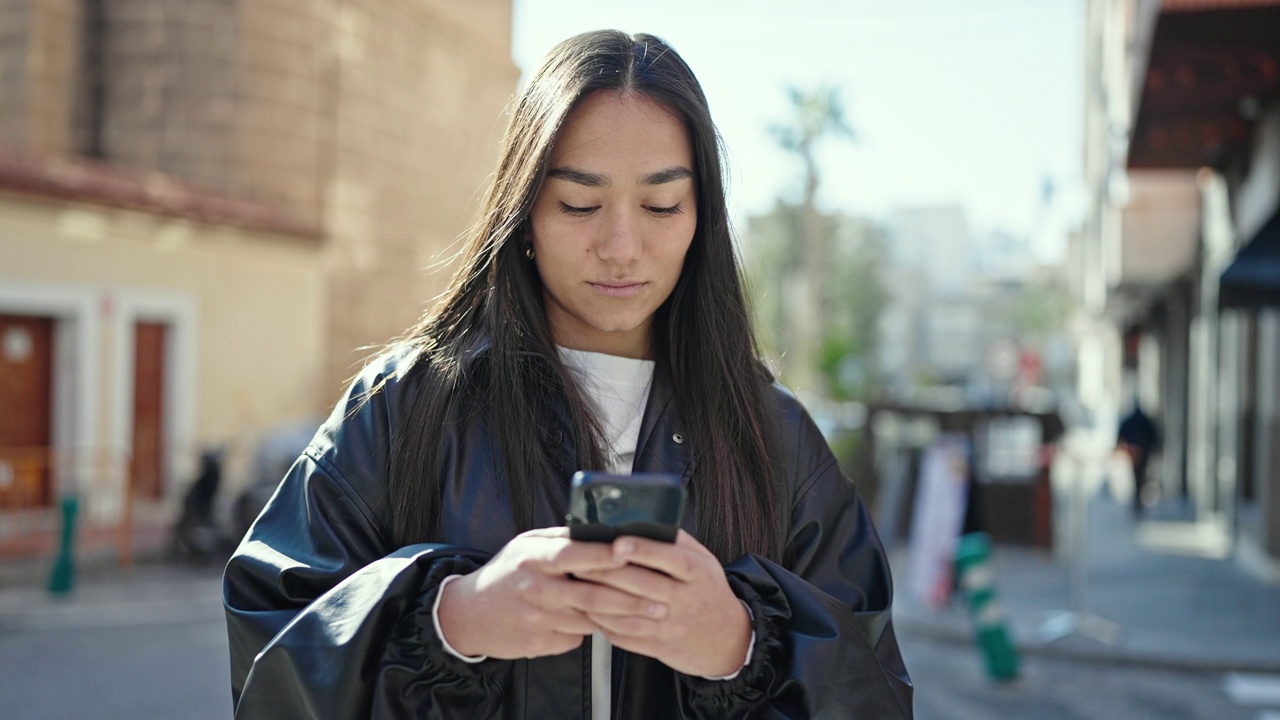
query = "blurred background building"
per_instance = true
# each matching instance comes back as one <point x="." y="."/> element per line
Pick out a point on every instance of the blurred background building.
<point x="965" y="310"/>
<point x="1178" y="265"/>
<point x="207" y="209"/>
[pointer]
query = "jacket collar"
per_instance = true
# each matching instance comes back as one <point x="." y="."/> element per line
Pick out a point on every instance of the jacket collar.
<point x="662" y="445"/>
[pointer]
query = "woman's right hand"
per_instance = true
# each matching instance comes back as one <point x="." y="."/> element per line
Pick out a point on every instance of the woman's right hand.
<point x="523" y="603"/>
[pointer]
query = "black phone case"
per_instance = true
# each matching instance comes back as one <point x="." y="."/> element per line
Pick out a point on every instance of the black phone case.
<point x="604" y="506"/>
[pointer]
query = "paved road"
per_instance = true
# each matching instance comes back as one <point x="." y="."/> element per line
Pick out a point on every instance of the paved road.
<point x="117" y="653"/>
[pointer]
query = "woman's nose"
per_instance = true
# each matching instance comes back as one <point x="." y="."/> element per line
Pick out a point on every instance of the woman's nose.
<point x="620" y="240"/>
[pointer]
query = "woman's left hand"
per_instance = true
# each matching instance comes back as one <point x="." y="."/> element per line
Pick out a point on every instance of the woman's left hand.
<point x="706" y="629"/>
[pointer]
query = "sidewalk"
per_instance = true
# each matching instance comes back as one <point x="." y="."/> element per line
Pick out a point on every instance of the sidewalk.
<point x="1174" y="611"/>
<point x="152" y="592"/>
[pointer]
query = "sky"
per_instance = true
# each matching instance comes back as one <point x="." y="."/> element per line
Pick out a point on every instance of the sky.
<point x="953" y="102"/>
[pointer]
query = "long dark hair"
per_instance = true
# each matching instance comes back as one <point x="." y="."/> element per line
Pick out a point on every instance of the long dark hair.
<point x="701" y="336"/>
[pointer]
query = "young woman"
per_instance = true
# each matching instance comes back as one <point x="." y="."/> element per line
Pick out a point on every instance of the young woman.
<point x="413" y="563"/>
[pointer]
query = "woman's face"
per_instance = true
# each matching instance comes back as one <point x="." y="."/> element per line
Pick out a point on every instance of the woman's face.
<point x="613" y="221"/>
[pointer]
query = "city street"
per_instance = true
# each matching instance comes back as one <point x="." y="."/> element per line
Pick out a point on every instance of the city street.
<point x="153" y="645"/>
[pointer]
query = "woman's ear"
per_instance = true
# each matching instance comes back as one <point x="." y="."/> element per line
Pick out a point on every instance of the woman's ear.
<point x="526" y="239"/>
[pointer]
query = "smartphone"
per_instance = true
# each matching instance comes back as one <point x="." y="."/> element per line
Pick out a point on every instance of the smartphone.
<point x="604" y="506"/>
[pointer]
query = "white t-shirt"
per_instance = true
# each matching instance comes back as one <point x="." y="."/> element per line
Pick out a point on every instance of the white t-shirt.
<point x="617" y="389"/>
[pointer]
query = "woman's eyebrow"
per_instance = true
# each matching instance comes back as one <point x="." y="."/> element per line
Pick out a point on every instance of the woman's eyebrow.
<point x="671" y="174"/>
<point x="581" y="177"/>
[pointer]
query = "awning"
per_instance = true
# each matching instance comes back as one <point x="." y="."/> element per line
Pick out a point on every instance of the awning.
<point x="1252" y="280"/>
<point x="1213" y="65"/>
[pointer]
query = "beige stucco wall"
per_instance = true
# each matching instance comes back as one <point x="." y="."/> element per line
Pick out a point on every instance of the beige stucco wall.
<point x="247" y="311"/>
<point x="419" y="112"/>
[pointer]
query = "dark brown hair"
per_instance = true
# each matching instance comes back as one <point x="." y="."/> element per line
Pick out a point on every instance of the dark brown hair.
<point x="701" y="337"/>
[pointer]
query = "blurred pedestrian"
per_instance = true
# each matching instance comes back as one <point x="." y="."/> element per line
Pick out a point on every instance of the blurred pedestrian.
<point x="413" y="563"/>
<point x="1138" y="437"/>
<point x="196" y="535"/>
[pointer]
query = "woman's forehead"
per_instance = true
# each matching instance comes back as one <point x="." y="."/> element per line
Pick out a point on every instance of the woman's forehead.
<point x="623" y="131"/>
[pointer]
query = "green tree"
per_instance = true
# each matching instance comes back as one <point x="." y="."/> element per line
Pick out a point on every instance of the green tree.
<point x="815" y="115"/>
<point x="845" y="354"/>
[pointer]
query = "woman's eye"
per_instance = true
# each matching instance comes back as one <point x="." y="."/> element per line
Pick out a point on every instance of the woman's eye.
<point x="673" y="210"/>
<point x="572" y="210"/>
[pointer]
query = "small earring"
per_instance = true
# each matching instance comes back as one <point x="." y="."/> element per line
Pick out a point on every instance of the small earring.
<point x="528" y="251"/>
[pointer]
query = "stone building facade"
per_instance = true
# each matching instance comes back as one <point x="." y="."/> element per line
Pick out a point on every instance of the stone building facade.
<point x="267" y="181"/>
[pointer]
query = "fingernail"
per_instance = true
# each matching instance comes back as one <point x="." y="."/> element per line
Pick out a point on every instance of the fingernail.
<point x="657" y="610"/>
<point x="624" y="547"/>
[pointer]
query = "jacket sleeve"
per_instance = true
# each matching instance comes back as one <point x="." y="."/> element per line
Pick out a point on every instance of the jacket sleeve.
<point x="825" y="645"/>
<point x="324" y="617"/>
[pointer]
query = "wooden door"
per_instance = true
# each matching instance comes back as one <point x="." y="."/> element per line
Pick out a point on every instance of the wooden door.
<point x="26" y="410"/>
<point x="148" y="409"/>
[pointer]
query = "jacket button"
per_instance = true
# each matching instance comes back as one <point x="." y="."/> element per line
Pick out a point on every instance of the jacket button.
<point x="555" y="438"/>
<point x="678" y="438"/>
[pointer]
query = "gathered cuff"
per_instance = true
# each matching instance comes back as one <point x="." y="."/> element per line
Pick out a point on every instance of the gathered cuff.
<point x="423" y="670"/>
<point x="737" y="695"/>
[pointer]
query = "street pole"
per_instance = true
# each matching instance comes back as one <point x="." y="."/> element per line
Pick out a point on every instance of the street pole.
<point x="1076" y="619"/>
<point x="976" y="571"/>
<point x="63" y="578"/>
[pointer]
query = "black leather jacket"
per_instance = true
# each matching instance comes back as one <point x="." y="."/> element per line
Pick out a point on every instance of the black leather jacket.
<point x="327" y="618"/>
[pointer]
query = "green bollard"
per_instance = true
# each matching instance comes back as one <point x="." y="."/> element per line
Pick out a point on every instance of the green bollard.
<point x="63" y="577"/>
<point x="978" y="580"/>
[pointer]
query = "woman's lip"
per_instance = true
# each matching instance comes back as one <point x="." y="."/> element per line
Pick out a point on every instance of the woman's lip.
<point x="618" y="290"/>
